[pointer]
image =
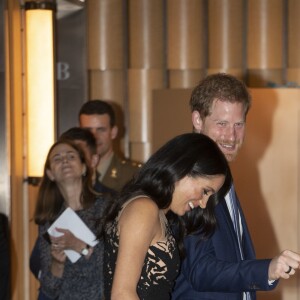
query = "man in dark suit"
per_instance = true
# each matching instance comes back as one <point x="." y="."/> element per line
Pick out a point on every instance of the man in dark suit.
<point x="99" y="117"/>
<point x="224" y="266"/>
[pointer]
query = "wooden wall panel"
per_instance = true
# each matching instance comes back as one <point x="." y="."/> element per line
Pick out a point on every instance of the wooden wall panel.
<point x="33" y="233"/>
<point x="186" y="41"/>
<point x="267" y="177"/>
<point x="293" y="43"/>
<point x="146" y="34"/>
<point x="265" y="42"/>
<point x="185" y="78"/>
<point x="226" y="31"/>
<point x="141" y="83"/>
<point x="107" y="85"/>
<point x="146" y="70"/>
<point x="106" y="34"/>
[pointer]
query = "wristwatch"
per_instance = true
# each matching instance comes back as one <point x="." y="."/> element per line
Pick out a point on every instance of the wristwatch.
<point x="85" y="251"/>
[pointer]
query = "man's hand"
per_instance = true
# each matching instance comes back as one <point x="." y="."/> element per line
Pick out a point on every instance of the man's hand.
<point x="284" y="265"/>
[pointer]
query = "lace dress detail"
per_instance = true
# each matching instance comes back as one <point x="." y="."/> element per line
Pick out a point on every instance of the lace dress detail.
<point x="160" y="266"/>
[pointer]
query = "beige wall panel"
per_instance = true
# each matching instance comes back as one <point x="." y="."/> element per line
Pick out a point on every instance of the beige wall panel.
<point x="238" y="72"/>
<point x="33" y="233"/>
<point x="225" y="34"/>
<point x="186" y="34"/>
<point x="267" y="177"/>
<point x="146" y="34"/>
<point x="140" y="151"/>
<point x="266" y="172"/>
<point x="293" y="34"/>
<point x="265" y="34"/>
<point x="293" y="77"/>
<point x="141" y="84"/>
<point x="265" y="77"/>
<point x="106" y="32"/>
<point x="107" y="85"/>
<point x="185" y="78"/>
<point x="171" y="105"/>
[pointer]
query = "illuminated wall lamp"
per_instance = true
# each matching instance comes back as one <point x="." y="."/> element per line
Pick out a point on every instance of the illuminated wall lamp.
<point x="40" y="85"/>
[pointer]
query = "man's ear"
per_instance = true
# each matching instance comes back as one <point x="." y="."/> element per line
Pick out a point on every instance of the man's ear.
<point x="197" y="121"/>
<point x="114" y="132"/>
<point x="95" y="160"/>
<point x="50" y="175"/>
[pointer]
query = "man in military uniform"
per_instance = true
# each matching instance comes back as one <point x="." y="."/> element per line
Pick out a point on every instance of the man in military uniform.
<point x="99" y="117"/>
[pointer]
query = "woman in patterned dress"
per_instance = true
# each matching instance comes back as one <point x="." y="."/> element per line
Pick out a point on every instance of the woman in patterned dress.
<point x="141" y="257"/>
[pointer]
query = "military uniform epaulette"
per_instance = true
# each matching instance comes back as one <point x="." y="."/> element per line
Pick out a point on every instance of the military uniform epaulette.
<point x="119" y="172"/>
<point x="133" y="163"/>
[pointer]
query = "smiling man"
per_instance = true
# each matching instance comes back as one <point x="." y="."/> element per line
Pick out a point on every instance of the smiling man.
<point x="224" y="266"/>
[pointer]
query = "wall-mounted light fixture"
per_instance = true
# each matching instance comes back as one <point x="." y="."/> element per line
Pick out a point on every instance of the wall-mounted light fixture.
<point x="40" y="84"/>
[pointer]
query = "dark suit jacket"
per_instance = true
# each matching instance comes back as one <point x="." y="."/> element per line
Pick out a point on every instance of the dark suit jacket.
<point x="213" y="268"/>
<point x="119" y="172"/>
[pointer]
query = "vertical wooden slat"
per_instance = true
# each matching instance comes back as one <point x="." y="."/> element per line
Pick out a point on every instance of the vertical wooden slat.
<point x="141" y="83"/>
<point x="33" y="233"/>
<point x="146" y="70"/>
<point x="185" y="78"/>
<point x="293" y="61"/>
<point x="226" y="29"/>
<point x="186" y="42"/>
<point x="265" y="42"/>
<point x="106" y="33"/>
<point x="146" y="38"/>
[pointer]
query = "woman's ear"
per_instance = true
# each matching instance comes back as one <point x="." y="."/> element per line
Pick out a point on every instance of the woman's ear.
<point x="197" y="121"/>
<point x="50" y="175"/>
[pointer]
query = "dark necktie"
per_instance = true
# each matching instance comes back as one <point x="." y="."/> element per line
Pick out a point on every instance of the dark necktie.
<point x="236" y="218"/>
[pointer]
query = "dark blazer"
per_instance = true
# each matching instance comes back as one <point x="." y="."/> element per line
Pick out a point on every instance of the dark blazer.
<point x="213" y="268"/>
<point x="119" y="172"/>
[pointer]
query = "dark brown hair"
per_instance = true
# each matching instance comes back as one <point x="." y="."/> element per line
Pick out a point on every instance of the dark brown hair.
<point x="50" y="201"/>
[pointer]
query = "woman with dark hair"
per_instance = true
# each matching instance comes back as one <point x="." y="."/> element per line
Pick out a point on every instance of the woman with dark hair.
<point x="141" y="258"/>
<point x="67" y="183"/>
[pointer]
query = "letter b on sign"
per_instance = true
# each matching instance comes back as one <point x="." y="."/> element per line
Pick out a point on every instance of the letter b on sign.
<point x="63" y="71"/>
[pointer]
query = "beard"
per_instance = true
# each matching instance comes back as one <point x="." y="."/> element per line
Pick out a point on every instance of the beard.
<point x="230" y="149"/>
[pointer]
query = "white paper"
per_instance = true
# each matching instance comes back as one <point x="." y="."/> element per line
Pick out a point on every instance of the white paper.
<point x="71" y="221"/>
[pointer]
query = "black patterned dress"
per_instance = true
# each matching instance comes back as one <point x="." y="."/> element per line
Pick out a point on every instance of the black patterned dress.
<point x="160" y="267"/>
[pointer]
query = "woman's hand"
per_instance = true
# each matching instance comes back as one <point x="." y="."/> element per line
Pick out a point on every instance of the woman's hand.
<point x="58" y="261"/>
<point x="68" y="241"/>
